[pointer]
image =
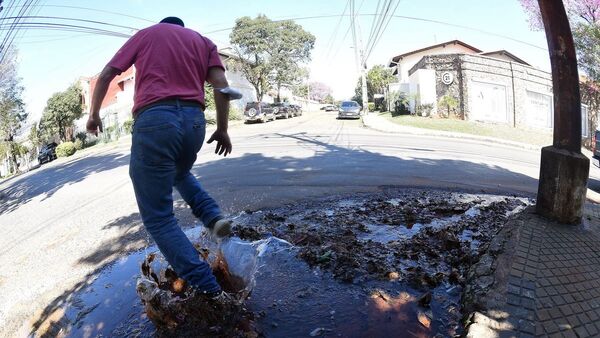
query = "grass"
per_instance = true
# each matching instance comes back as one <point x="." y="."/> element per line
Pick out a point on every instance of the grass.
<point x="500" y="131"/>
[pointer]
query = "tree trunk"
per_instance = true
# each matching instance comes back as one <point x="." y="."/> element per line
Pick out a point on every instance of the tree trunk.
<point x="278" y="93"/>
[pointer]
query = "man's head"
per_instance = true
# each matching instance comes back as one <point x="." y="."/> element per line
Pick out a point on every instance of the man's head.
<point x="173" y="20"/>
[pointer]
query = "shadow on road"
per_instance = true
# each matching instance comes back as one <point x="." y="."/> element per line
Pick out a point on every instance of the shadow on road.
<point x="248" y="181"/>
<point x="49" y="180"/>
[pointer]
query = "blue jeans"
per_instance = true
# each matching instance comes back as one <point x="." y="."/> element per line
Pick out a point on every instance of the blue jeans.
<point x="166" y="140"/>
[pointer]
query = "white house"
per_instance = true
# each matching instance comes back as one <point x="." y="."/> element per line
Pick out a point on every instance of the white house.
<point x="404" y="62"/>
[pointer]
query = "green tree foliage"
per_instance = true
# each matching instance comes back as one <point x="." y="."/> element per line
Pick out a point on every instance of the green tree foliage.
<point x="34" y="137"/>
<point x="378" y="79"/>
<point x="62" y="109"/>
<point x="209" y="97"/>
<point x="300" y="90"/>
<point x="270" y="53"/>
<point x="12" y="112"/>
<point x="447" y="104"/>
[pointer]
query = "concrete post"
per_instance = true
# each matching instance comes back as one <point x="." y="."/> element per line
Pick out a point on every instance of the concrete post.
<point x="564" y="170"/>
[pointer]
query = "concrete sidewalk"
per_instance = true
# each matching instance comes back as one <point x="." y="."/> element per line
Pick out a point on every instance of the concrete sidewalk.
<point x="538" y="279"/>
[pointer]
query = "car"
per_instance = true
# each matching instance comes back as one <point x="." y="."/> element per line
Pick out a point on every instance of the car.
<point x="47" y="153"/>
<point x="349" y="109"/>
<point x="283" y="110"/>
<point x="259" y="112"/>
<point x="329" y="107"/>
<point x="596" y="148"/>
<point x="297" y="109"/>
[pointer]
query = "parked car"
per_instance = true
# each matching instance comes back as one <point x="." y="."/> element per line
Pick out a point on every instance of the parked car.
<point x="329" y="107"/>
<point x="259" y="111"/>
<point x="297" y="109"/>
<point x="596" y="148"/>
<point x="349" y="109"/>
<point x="283" y="110"/>
<point x="47" y="153"/>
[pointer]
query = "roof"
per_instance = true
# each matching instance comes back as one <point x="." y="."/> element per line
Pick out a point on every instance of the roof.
<point x="397" y="58"/>
<point x="504" y="52"/>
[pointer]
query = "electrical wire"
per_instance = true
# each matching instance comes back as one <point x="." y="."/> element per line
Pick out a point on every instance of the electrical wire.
<point x="335" y="31"/>
<point x="370" y="50"/>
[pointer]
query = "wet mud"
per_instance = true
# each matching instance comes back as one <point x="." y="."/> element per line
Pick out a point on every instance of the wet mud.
<point x="387" y="264"/>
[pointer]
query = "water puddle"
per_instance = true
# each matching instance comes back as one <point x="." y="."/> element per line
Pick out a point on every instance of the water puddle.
<point x="374" y="265"/>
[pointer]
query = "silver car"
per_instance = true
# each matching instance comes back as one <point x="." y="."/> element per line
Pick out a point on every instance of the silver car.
<point x="349" y="109"/>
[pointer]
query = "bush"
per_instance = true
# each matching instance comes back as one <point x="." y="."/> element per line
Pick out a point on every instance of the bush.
<point x="399" y="103"/>
<point x="65" y="149"/>
<point x="424" y="109"/>
<point x="128" y="126"/>
<point x="82" y="135"/>
<point x="234" y="113"/>
<point x="371" y="106"/>
<point x="447" y="105"/>
<point x="78" y="144"/>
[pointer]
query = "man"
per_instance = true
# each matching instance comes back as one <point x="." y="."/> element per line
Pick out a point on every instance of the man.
<point x="172" y="63"/>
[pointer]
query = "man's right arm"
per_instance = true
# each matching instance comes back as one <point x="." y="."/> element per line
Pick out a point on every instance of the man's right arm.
<point x="106" y="76"/>
<point x="216" y="77"/>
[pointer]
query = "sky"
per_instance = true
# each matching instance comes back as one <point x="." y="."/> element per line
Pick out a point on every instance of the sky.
<point x="49" y="60"/>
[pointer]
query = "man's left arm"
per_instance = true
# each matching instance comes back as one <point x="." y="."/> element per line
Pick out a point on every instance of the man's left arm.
<point x="94" y="122"/>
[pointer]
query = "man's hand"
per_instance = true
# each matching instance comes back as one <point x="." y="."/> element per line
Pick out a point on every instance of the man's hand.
<point x="223" y="142"/>
<point x="93" y="125"/>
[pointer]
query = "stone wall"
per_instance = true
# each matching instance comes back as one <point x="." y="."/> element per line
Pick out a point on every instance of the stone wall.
<point x="469" y="70"/>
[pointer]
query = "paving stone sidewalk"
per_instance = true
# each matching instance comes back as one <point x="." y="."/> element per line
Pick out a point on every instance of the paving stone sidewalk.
<point x="544" y="280"/>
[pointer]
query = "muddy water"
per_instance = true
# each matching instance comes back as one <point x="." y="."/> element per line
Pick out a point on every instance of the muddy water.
<point x="358" y="267"/>
<point x="290" y="299"/>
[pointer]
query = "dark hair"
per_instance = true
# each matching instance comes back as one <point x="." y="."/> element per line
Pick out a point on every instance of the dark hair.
<point x="173" y="20"/>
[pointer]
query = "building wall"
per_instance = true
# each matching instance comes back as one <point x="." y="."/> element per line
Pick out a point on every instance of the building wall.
<point x="409" y="61"/>
<point x="497" y="91"/>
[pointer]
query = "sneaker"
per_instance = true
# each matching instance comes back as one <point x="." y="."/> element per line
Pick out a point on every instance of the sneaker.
<point x="221" y="228"/>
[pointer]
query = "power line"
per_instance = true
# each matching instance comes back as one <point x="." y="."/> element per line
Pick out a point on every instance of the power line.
<point x="337" y="27"/>
<point x="9" y="37"/>
<point x="377" y="38"/>
<point x="101" y="11"/>
<point x="72" y="19"/>
<point x="407" y="18"/>
<point x="69" y="28"/>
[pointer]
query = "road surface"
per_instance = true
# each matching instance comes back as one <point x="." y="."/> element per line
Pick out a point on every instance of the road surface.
<point x="63" y="222"/>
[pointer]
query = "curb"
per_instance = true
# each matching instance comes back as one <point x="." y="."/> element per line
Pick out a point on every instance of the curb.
<point x="428" y="132"/>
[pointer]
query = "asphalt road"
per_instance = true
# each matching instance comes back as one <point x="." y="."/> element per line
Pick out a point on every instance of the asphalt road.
<point x="61" y="223"/>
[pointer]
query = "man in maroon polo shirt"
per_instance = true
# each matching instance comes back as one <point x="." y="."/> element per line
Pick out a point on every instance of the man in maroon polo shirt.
<point x="171" y="65"/>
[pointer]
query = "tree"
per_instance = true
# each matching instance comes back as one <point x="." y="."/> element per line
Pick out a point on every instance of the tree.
<point x="448" y="102"/>
<point x="300" y="90"/>
<point x="319" y="91"/>
<point x="61" y="111"/>
<point x="34" y="137"/>
<point x="12" y="112"/>
<point x="584" y="17"/>
<point x="291" y="49"/>
<point x="378" y="79"/>
<point x="328" y="99"/>
<point x="270" y="52"/>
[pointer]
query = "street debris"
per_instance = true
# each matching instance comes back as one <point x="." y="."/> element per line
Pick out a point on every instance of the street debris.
<point x="422" y="242"/>
<point x="398" y="260"/>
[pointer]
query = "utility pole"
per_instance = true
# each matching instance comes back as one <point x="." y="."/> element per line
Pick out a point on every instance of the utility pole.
<point x="359" y="56"/>
<point x="308" y="95"/>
